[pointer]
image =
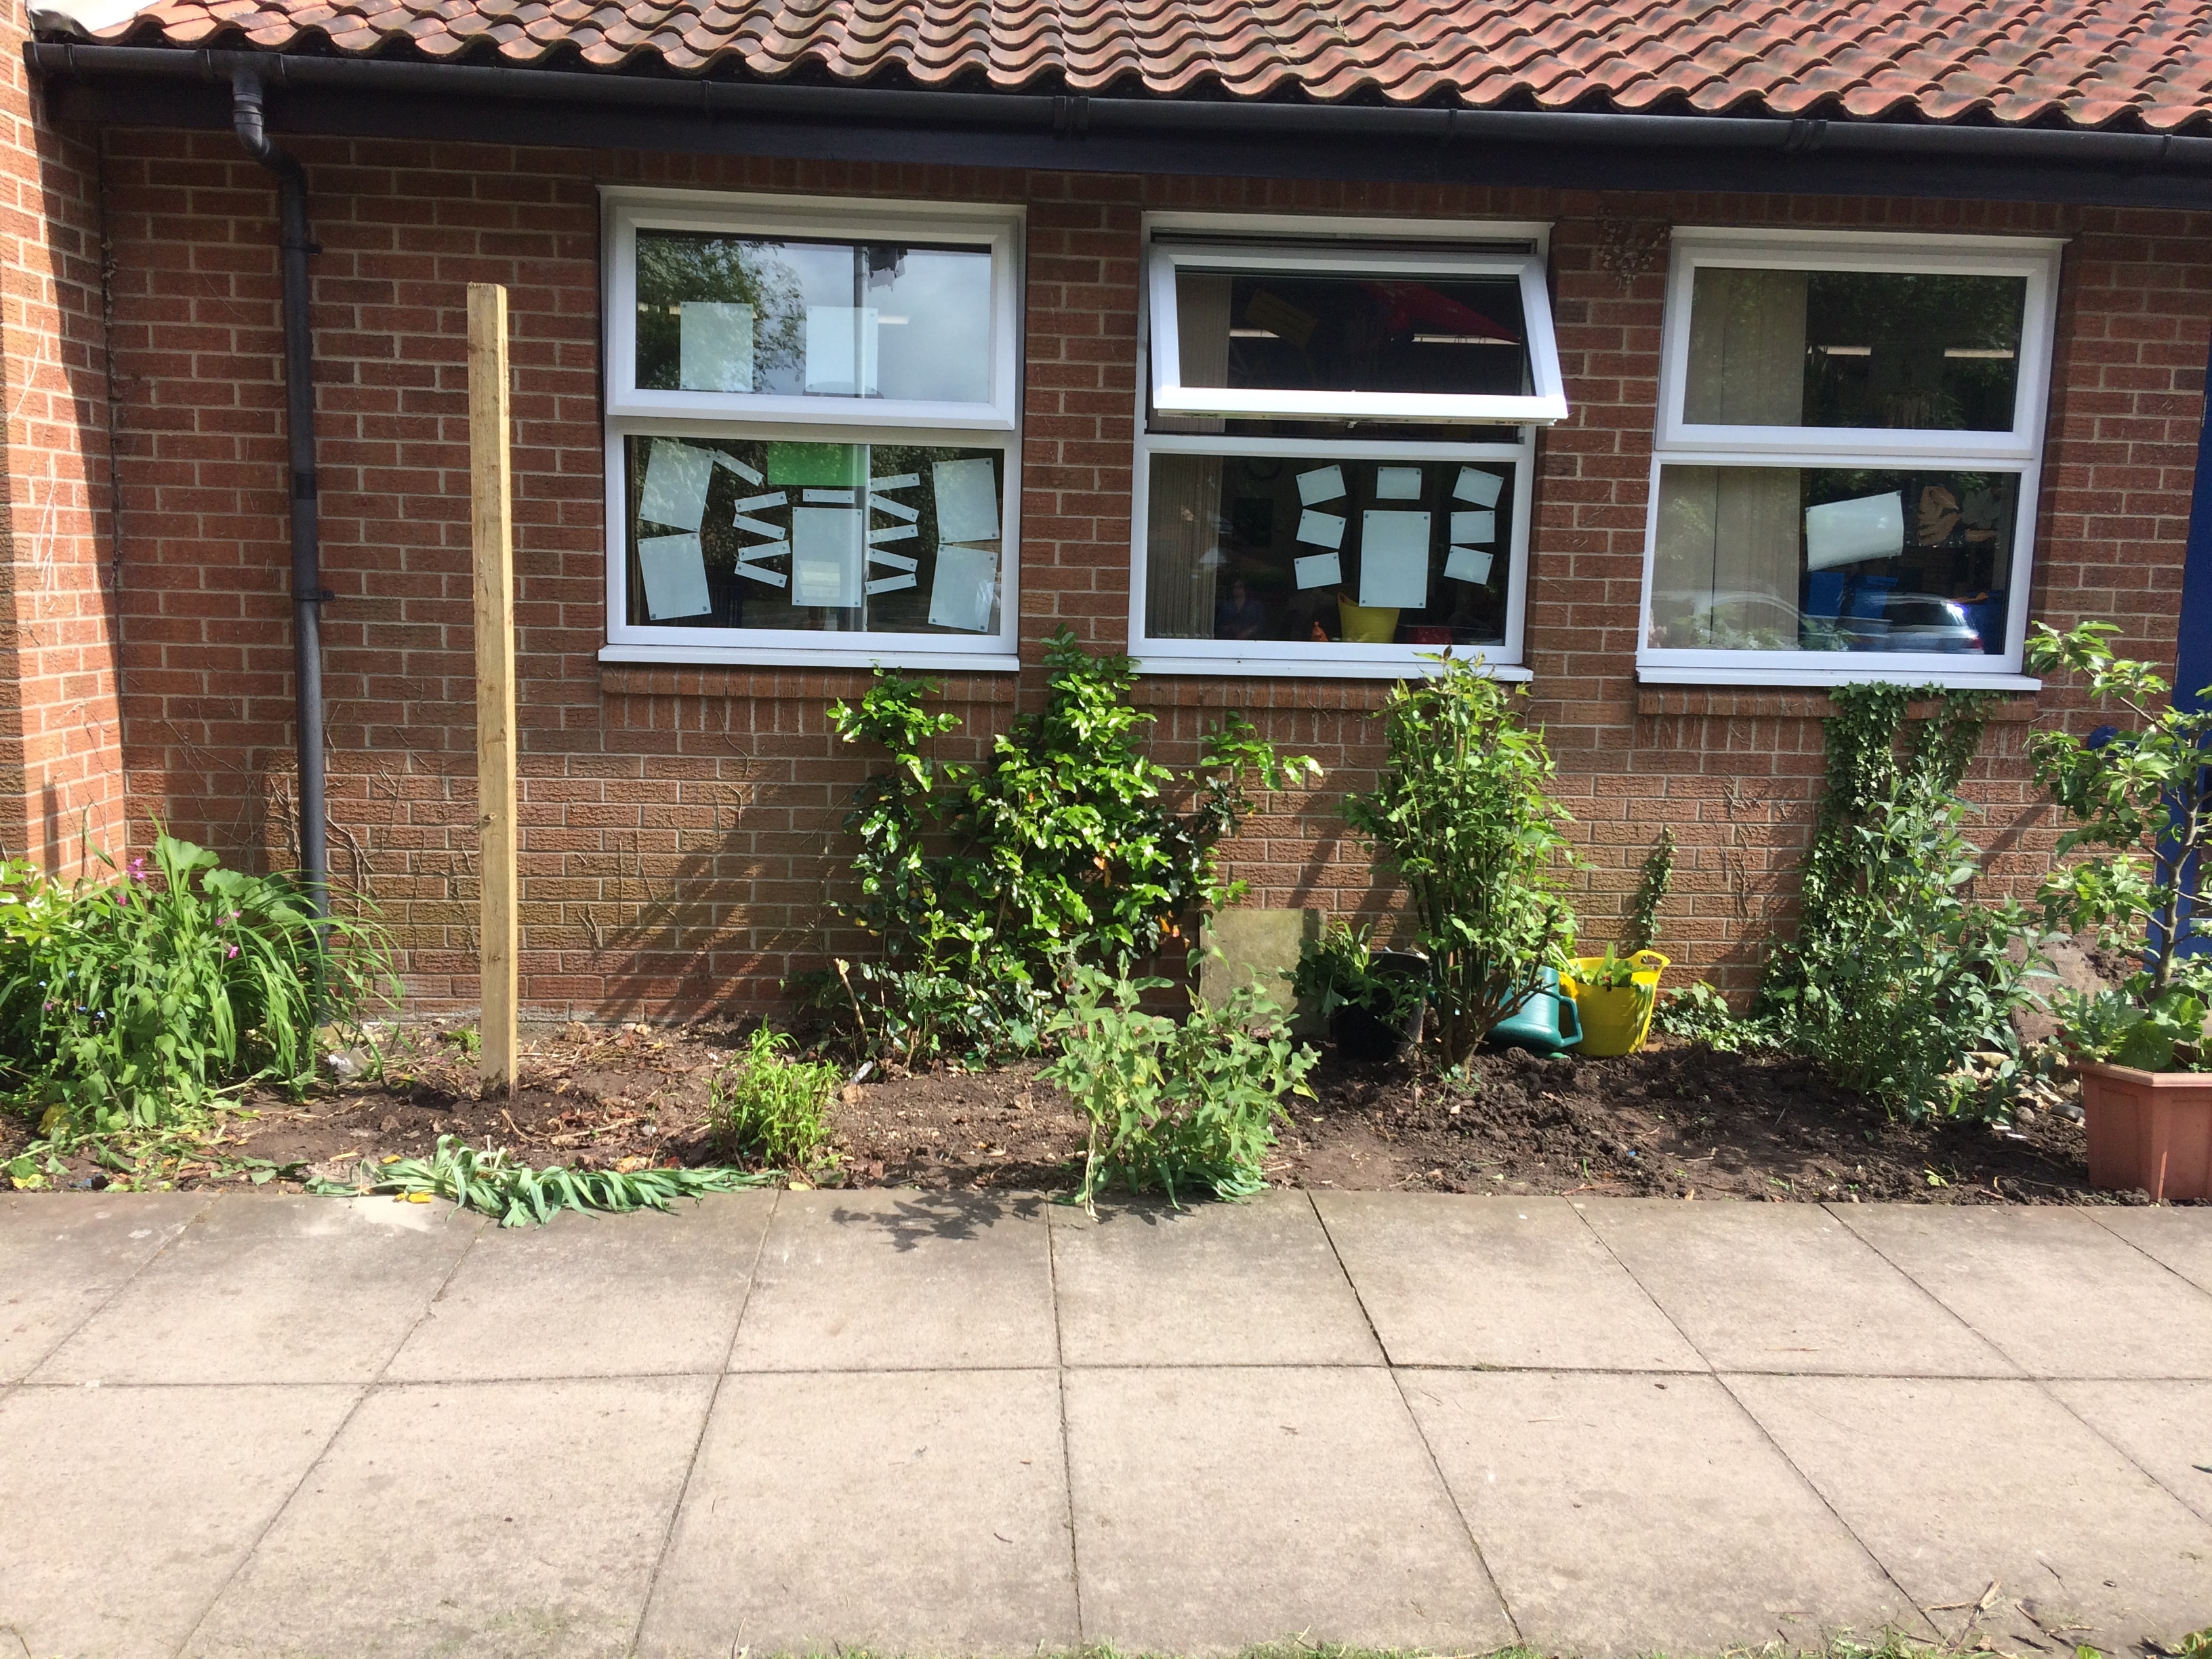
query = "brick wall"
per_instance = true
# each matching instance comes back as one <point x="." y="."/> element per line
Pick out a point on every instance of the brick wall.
<point x="61" y="773"/>
<point x="680" y="825"/>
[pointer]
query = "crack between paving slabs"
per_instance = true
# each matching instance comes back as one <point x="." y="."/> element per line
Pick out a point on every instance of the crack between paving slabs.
<point x="1398" y="1385"/>
<point x="121" y="1285"/>
<point x="1067" y="1451"/>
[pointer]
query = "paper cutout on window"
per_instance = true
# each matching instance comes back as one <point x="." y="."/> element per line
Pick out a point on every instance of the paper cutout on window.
<point x="757" y="527"/>
<point x="840" y="351"/>
<point x="773" y="498"/>
<point x="1467" y="564"/>
<point x="893" y="532"/>
<point x="1477" y="486"/>
<point x="775" y="549"/>
<point x="896" y="560"/>
<point x="891" y="584"/>
<point x="825" y="556"/>
<point x="896" y="510"/>
<point x="1322" y="529"/>
<point x="904" y="481"/>
<point x="714" y="350"/>
<point x="1853" y="532"/>
<point x="967" y="501"/>
<point x="760" y="572"/>
<point x="1397" y="484"/>
<point x="1319" y="569"/>
<point x="1323" y="483"/>
<point x="731" y="463"/>
<point x="675" y="571"/>
<point x="965" y="589"/>
<point x="1394" y="560"/>
<point x="1467" y="527"/>
<point x="827" y="497"/>
<point x="676" y="479"/>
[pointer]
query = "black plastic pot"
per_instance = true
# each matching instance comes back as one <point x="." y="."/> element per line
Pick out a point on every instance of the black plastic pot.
<point x="1365" y="1031"/>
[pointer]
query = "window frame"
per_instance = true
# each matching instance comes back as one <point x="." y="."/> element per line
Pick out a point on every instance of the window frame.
<point x="1298" y="658"/>
<point x="628" y="412"/>
<point x="1678" y="442"/>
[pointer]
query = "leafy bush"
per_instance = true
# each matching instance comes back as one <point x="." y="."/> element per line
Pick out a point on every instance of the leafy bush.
<point x="765" y="1107"/>
<point x="1338" y="970"/>
<point x="1461" y="817"/>
<point x="129" y="1004"/>
<point x="1699" y="1013"/>
<point x="981" y="881"/>
<point x="493" y="1183"/>
<point x="1174" y="1104"/>
<point x="1898" y="973"/>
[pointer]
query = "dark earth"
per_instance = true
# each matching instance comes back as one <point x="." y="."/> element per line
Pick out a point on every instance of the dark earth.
<point x="1677" y="1121"/>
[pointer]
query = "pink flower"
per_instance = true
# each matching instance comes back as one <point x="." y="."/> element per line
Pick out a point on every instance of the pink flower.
<point x="229" y="953"/>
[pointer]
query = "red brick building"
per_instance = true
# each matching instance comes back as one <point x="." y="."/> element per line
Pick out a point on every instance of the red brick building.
<point x="1682" y="367"/>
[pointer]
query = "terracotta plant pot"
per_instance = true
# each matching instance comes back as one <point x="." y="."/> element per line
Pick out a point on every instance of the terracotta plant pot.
<point x="2149" y="1129"/>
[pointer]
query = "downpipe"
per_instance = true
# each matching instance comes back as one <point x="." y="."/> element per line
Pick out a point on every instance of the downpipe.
<point x="248" y="121"/>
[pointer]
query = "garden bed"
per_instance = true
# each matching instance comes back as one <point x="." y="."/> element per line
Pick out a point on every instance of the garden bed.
<point x="1677" y="1121"/>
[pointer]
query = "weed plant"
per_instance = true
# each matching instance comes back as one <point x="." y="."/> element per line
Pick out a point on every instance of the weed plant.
<point x="767" y="1108"/>
<point x="1174" y="1104"/>
<point x="1699" y="1013"/>
<point x="1652" y="883"/>
<point x="979" y="882"/>
<point x="493" y="1183"/>
<point x="129" y="1004"/>
<point x="1462" y="817"/>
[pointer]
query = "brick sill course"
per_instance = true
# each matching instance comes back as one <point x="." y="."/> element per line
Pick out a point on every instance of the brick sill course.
<point x="1787" y="702"/>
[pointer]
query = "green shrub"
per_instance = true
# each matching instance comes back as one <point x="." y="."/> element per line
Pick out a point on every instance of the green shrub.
<point x="979" y="882"/>
<point x="1699" y="1013"/>
<point x="129" y="1004"/>
<point x="1461" y="817"/>
<point x="765" y="1107"/>
<point x="1173" y="1105"/>
<point x="1338" y="970"/>
<point x="1899" y="973"/>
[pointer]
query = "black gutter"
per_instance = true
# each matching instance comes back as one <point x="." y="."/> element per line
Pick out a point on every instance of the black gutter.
<point x="1074" y="117"/>
<point x="248" y="121"/>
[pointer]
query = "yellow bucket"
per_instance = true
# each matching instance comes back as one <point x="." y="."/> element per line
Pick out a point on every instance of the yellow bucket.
<point x="1367" y="624"/>
<point x="1616" y="1022"/>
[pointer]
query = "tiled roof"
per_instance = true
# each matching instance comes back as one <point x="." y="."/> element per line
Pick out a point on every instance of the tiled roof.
<point x="2086" y="63"/>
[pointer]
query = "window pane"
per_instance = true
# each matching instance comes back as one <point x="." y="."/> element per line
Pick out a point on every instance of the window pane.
<point x="1248" y="547"/>
<point x="1298" y="332"/>
<point x="1854" y="349"/>
<point x="1834" y="559"/>
<point x="731" y="532"/>
<point x="812" y="318"/>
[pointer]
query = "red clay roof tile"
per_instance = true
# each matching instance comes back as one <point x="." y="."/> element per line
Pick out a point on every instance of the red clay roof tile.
<point x="2082" y="62"/>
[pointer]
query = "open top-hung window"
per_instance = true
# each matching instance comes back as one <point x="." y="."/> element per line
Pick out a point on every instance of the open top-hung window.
<point x="1849" y="433"/>
<point x="812" y="432"/>
<point x="1336" y="442"/>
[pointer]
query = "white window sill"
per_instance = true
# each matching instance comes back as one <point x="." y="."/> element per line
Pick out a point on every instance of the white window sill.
<point x="1314" y="668"/>
<point x="758" y="656"/>
<point x="1896" y="674"/>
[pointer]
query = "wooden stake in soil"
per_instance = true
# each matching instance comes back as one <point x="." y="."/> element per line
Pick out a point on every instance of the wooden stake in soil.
<point x="492" y="537"/>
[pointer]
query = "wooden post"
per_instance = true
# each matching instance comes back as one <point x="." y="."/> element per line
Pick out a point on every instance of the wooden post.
<point x="492" y="537"/>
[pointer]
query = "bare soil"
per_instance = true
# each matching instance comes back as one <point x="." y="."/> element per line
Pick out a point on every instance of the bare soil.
<point x="1675" y="1120"/>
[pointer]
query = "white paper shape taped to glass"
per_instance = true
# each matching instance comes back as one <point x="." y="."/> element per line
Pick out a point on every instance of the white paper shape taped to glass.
<point x="826" y="551"/>
<point x="1323" y="483"/>
<point x="965" y="589"/>
<point x="1473" y="528"/>
<point x="1321" y="529"/>
<point x="1319" y="569"/>
<point x="1854" y="531"/>
<point x="676" y="479"/>
<point x="967" y="501"/>
<point x="1478" y="486"/>
<point x="1394" y="560"/>
<point x="1397" y="484"/>
<point x="714" y="352"/>
<point x="675" y="572"/>
<point x="1467" y="564"/>
<point x="840" y="351"/>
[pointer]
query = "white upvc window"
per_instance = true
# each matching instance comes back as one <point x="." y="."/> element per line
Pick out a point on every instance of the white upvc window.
<point x="1848" y="448"/>
<point x="812" y="431"/>
<point x="1336" y="451"/>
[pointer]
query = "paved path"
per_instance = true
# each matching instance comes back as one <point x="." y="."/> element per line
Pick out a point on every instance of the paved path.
<point x="270" y="1426"/>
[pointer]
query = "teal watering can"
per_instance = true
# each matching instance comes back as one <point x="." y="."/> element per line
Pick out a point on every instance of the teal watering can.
<point x="1546" y="1024"/>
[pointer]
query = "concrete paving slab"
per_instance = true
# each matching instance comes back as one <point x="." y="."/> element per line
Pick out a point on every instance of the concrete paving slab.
<point x="1953" y="1483"/>
<point x="261" y="1288"/>
<point x="2178" y="1239"/>
<point x="485" y="1518"/>
<point x="667" y="1289"/>
<point x="899" y="1279"/>
<point x="2056" y="1293"/>
<point x="1628" y="1515"/>
<point x="124" y="1511"/>
<point x="921" y="1512"/>
<point x="1217" y="1508"/>
<point x="63" y="1254"/>
<point x="1254" y="1283"/>
<point x="2164" y="1428"/>
<point x="1786" y="1287"/>
<point x="1516" y="1282"/>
